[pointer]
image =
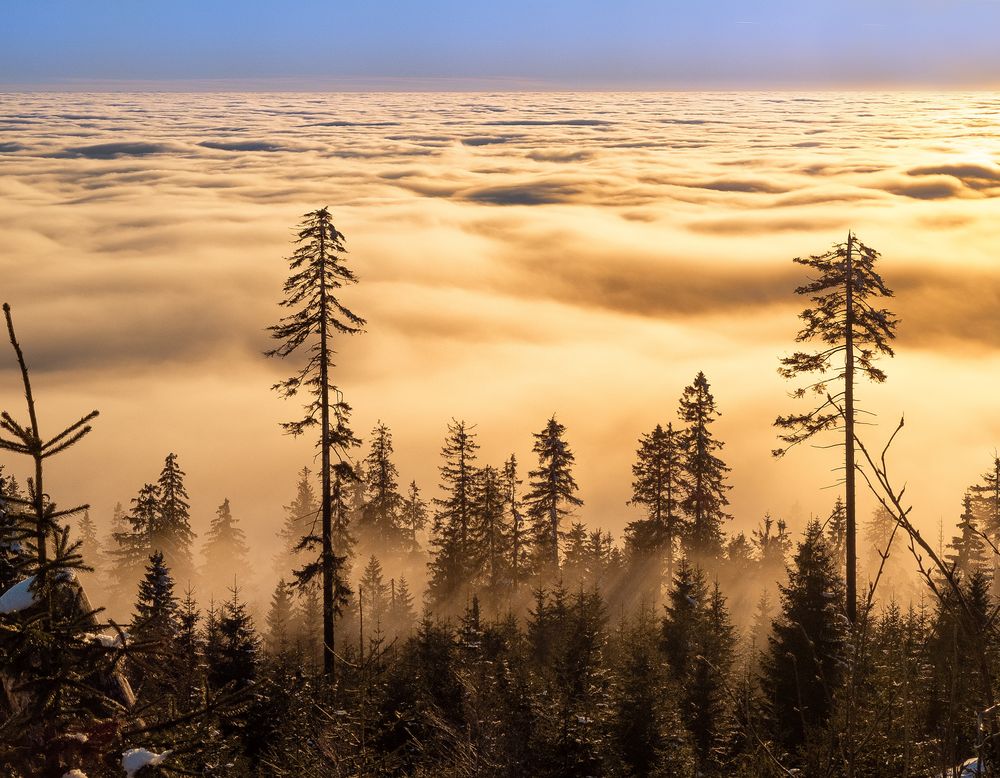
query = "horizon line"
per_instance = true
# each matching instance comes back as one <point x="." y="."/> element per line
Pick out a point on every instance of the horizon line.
<point x="459" y="84"/>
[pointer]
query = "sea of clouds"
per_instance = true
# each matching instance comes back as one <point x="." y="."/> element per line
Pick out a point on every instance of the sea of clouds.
<point x="519" y="254"/>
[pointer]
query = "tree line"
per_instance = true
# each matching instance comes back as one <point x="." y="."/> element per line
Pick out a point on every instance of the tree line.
<point x="539" y="646"/>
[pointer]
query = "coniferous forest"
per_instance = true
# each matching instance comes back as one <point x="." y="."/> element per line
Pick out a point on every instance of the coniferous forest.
<point x="475" y="626"/>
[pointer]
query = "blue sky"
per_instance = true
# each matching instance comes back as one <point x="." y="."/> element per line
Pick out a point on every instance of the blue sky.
<point x="561" y="43"/>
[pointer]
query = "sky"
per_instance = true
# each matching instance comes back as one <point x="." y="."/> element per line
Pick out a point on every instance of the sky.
<point x="519" y="44"/>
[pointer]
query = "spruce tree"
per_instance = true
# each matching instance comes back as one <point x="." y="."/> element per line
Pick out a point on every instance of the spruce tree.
<point x="279" y="619"/>
<point x="380" y="516"/>
<point x="133" y="543"/>
<point x="171" y="531"/>
<point x="90" y="546"/>
<point x="491" y="535"/>
<point x="413" y="517"/>
<point x="683" y="620"/>
<point x="190" y="653"/>
<point x="705" y="473"/>
<point x="805" y="661"/>
<point x="225" y="544"/>
<point x="155" y="625"/>
<point x="155" y="613"/>
<point x="92" y="553"/>
<point x="110" y="558"/>
<point x="319" y="269"/>
<point x="301" y="516"/>
<point x="659" y="485"/>
<point x="852" y="332"/>
<point x="235" y="659"/>
<point x="309" y="626"/>
<point x="402" y="615"/>
<point x="452" y="528"/>
<point x="551" y="495"/>
<point x="578" y="556"/>
<point x="373" y="594"/>
<point x="836" y="532"/>
<point x="708" y="709"/>
<point x="515" y="520"/>
<point x="647" y="728"/>
<point x="967" y="550"/>
<point x="986" y="500"/>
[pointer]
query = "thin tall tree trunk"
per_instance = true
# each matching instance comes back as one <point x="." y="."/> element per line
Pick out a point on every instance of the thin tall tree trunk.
<point x="329" y="668"/>
<point x="851" y="545"/>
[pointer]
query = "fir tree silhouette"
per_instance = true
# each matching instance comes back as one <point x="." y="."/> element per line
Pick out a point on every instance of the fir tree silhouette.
<point x="319" y="269"/>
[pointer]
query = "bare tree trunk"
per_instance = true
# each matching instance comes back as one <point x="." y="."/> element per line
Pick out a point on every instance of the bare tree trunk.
<point x="850" y="508"/>
<point x="329" y="659"/>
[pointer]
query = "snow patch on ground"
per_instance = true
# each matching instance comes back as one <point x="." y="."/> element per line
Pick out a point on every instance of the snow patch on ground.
<point x="135" y="759"/>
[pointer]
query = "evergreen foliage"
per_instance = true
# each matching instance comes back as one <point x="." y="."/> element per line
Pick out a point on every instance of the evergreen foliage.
<point x="452" y="530"/>
<point x="705" y="473"/>
<point x="551" y="494"/>
<point x="807" y="650"/>
<point x="319" y="268"/>
<point x="659" y="485"/>
<point x="226" y="543"/>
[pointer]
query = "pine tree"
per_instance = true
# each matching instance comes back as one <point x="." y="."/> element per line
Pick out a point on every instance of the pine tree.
<point x="279" y="619"/>
<point x="452" y="529"/>
<point x="552" y="494"/>
<point x="225" y="544"/>
<point x="805" y="660"/>
<point x="412" y="517"/>
<point x="659" y="485"/>
<point x="380" y="517"/>
<point x="850" y="328"/>
<point x="705" y="497"/>
<point x="319" y="269"/>
<point x="171" y="532"/>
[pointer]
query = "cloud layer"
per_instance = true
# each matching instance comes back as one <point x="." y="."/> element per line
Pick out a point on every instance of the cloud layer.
<point x="519" y="255"/>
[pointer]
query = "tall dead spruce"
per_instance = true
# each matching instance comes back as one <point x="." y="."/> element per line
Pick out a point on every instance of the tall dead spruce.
<point x="852" y="333"/>
<point x="319" y="269"/>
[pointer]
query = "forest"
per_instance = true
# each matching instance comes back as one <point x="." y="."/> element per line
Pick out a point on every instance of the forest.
<point x="476" y="627"/>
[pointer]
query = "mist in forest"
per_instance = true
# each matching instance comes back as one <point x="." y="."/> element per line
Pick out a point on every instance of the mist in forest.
<point x="436" y="426"/>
